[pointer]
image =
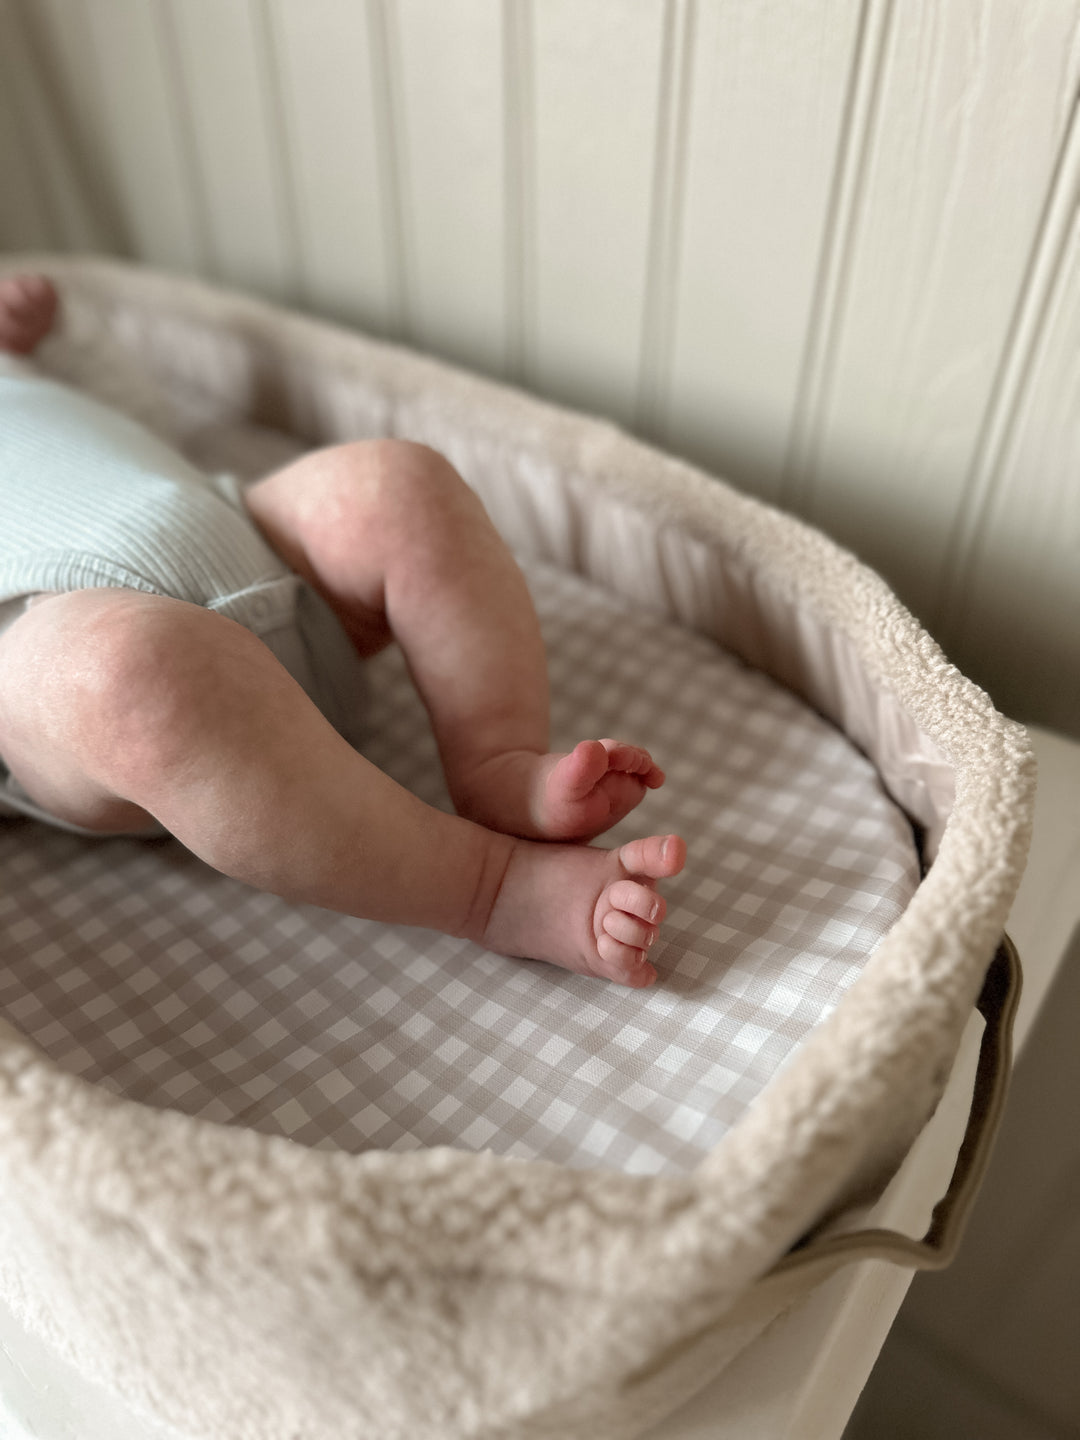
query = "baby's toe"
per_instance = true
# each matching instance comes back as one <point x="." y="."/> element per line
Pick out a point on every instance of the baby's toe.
<point x="631" y="759"/>
<point x="584" y="767"/>
<point x="656" y="856"/>
<point x="628" y="929"/>
<point x="636" y="899"/>
<point x="625" y="964"/>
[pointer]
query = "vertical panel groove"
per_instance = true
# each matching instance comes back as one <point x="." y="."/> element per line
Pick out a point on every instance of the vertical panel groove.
<point x="103" y="172"/>
<point x="519" y="151"/>
<point x="1011" y="380"/>
<point x="386" y="82"/>
<point x="665" y="227"/>
<point x="179" y="100"/>
<point x="37" y="171"/>
<point x="82" y="217"/>
<point x="839" y="235"/>
<point x="268" y="66"/>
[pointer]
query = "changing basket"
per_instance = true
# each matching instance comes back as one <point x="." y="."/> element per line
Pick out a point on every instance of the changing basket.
<point x="323" y="1180"/>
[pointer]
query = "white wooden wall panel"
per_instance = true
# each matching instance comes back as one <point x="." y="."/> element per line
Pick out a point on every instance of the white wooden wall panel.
<point x="447" y="75"/>
<point x="25" y="218"/>
<point x="24" y="222"/>
<point x="767" y="95"/>
<point x="140" y="129"/>
<point x="42" y="197"/>
<point x="346" y="230"/>
<point x="229" y="71"/>
<point x="967" y="126"/>
<point x="72" y="84"/>
<point x="819" y="245"/>
<point x="596" y="87"/>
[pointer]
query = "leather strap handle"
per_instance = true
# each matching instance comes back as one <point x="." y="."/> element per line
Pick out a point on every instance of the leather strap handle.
<point x="997" y="1004"/>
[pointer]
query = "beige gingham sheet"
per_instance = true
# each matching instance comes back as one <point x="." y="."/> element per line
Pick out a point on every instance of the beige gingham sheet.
<point x="137" y="967"/>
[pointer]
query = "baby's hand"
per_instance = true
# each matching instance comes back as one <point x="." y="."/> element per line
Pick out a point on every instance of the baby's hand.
<point x="27" y="311"/>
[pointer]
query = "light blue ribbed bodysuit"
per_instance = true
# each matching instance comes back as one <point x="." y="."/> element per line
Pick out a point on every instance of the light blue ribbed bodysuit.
<point x="90" y="498"/>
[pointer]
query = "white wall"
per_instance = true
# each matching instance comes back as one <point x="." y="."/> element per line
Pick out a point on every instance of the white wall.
<point x="828" y="248"/>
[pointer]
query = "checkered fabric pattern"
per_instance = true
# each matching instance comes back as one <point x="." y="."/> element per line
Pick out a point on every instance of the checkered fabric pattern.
<point x="134" y="965"/>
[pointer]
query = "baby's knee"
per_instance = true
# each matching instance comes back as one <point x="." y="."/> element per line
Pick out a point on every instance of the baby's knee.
<point x="139" y="673"/>
<point x="404" y="461"/>
<point x="405" y="479"/>
<point x="353" y="510"/>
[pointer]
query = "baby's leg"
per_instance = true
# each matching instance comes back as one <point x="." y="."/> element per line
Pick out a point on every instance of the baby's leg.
<point x="116" y="707"/>
<point x="400" y="546"/>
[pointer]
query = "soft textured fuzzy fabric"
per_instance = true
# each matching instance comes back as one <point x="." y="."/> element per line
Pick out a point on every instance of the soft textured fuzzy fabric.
<point x="244" y="1288"/>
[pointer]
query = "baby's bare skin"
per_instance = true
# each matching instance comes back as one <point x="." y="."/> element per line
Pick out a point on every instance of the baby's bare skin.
<point x="539" y="910"/>
<point x="561" y="796"/>
<point x="119" y="708"/>
<point x="28" y="305"/>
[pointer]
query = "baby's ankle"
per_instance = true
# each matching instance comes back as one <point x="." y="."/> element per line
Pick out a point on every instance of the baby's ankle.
<point x="496" y="856"/>
<point x="499" y="791"/>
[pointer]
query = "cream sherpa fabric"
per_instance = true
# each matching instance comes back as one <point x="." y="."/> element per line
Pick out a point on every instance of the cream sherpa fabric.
<point x="241" y="1287"/>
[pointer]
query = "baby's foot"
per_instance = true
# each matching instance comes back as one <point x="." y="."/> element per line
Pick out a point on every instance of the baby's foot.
<point x="28" y="305"/>
<point x="588" y="791"/>
<point x="557" y="797"/>
<point x="592" y="911"/>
